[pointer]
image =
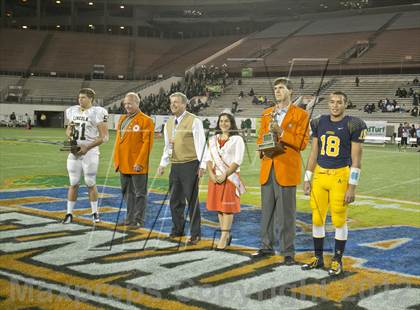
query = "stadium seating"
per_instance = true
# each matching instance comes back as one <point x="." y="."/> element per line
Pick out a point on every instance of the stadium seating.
<point x="371" y="89"/>
<point x="393" y="47"/>
<point x="18" y="48"/>
<point x="74" y="52"/>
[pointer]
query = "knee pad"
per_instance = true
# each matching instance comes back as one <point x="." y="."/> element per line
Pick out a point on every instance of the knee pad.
<point x="342" y="232"/>
<point x="74" y="179"/>
<point x="318" y="231"/>
<point x="90" y="180"/>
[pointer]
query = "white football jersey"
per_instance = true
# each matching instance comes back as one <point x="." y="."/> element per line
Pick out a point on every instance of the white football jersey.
<point x="86" y="122"/>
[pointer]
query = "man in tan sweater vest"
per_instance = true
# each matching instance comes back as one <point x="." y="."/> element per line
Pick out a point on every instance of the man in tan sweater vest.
<point x="185" y="148"/>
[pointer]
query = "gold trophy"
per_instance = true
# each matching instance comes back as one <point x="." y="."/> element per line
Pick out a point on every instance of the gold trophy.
<point x="70" y="145"/>
<point x="269" y="142"/>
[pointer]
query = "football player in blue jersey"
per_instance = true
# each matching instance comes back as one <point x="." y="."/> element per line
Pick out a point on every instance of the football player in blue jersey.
<point x="334" y="169"/>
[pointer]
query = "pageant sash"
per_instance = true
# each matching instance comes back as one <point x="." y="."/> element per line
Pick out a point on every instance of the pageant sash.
<point x="222" y="166"/>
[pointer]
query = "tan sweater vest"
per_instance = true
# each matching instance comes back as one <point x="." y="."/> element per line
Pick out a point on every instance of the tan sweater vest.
<point x="183" y="150"/>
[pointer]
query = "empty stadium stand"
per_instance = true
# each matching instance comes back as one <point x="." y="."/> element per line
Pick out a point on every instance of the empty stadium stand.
<point x="371" y="89"/>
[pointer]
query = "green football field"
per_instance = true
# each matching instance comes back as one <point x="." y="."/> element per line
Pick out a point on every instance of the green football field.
<point x="388" y="194"/>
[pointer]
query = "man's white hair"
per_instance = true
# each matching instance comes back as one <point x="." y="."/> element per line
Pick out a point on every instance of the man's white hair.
<point x="135" y="96"/>
<point x="180" y="95"/>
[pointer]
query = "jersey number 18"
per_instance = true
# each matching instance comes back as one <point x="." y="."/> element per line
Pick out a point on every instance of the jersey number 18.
<point x="330" y="145"/>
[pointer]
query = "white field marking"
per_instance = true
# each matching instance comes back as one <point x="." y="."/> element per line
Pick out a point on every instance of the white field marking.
<point x="19" y="167"/>
<point x="108" y="170"/>
<point x="67" y="290"/>
<point x="392" y="185"/>
<point x="383" y="206"/>
<point x="391" y="152"/>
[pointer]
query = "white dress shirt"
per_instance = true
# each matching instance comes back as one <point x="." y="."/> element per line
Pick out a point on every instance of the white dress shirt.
<point x="200" y="143"/>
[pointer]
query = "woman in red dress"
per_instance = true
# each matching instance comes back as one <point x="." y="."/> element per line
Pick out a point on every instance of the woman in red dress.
<point x="227" y="151"/>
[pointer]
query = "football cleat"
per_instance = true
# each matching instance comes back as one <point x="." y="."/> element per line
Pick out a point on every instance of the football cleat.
<point x="315" y="263"/>
<point x="67" y="219"/>
<point x="336" y="268"/>
<point x="95" y="217"/>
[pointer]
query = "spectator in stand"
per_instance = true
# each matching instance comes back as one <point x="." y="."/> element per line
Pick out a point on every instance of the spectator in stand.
<point x="302" y="83"/>
<point x="388" y="107"/>
<point x="418" y="136"/>
<point x="414" y="112"/>
<point x="13" y="121"/>
<point x="413" y="135"/>
<point x="28" y="121"/>
<point x="255" y="100"/>
<point x="399" y="135"/>
<point x="234" y="106"/>
<point x="410" y="92"/>
<point x="416" y="99"/>
<point x="403" y="93"/>
<point x="241" y="94"/>
<point x="251" y="92"/>
<point x="380" y="104"/>
<point x="415" y="81"/>
<point x="351" y="105"/>
<point x="398" y="92"/>
<point x="357" y="81"/>
<point x="405" y="135"/>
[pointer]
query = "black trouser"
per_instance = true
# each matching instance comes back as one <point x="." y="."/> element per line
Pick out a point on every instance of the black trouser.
<point x="183" y="181"/>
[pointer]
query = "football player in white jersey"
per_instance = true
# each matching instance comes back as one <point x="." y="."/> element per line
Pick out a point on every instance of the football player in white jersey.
<point x="87" y="125"/>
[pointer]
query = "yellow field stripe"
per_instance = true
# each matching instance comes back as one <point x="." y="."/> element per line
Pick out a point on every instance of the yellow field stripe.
<point x="36" y="298"/>
<point x="43" y="236"/>
<point x="363" y="280"/>
<point x="202" y="245"/>
<point x="26" y="200"/>
<point x="241" y="271"/>
<point x="8" y="227"/>
<point x="12" y="262"/>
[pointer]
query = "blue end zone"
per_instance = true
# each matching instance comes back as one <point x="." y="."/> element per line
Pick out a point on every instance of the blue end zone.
<point x="246" y="228"/>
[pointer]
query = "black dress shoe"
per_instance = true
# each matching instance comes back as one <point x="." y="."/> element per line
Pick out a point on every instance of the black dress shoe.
<point x="262" y="253"/>
<point x="289" y="260"/>
<point x="176" y="235"/>
<point x="127" y="223"/>
<point x="194" y="240"/>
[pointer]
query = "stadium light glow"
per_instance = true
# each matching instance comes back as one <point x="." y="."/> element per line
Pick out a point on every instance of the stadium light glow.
<point x="58" y="2"/>
<point x="25" y="27"/>
<point x="122" y="6"/>
<point x="57" y="26"/>
<point x="90" y="3"/>
<point x="122" y="27"/>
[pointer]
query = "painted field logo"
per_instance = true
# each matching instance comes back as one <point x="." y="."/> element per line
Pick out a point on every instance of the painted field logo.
<point x="44" y="264"/>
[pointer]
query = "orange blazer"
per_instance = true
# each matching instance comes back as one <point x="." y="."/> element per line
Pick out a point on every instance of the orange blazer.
<point x="135" y="145"/>
<point x="287" y="166"/>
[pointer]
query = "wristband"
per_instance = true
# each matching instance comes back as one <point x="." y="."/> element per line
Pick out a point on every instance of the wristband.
<point x="354" y="176"/>
<point x="308" y="176"/>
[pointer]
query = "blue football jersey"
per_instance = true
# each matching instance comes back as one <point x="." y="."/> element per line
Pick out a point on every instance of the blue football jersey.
<point x="334" y="139"/>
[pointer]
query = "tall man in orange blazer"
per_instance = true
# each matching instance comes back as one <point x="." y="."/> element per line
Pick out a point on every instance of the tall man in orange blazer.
<point x="133" y="144"/>
<point x="281" y="171"/>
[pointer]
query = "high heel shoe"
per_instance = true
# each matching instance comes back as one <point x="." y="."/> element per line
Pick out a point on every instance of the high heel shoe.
<point x="228" y="242"/>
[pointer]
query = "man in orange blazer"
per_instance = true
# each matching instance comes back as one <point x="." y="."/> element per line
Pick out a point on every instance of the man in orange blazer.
<point x="133" y="144"/>
<point x="281" y="171"/>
